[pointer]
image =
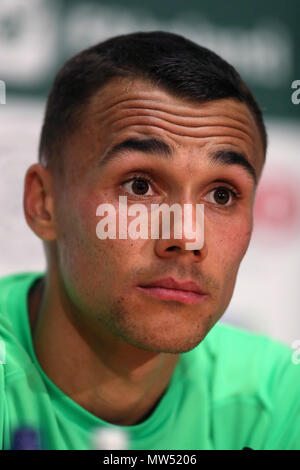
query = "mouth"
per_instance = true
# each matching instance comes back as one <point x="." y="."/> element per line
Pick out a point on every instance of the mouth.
<point x="187" y="292"/>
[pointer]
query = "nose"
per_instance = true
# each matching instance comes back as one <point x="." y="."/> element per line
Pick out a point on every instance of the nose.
<point x="181" y="234"/>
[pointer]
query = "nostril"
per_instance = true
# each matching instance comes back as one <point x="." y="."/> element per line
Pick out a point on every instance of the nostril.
<point x="171" y="248"/>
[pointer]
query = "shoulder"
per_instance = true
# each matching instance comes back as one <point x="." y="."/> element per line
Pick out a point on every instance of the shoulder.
<point x="241" y="362"/>
<point x="12" y="284"/>
<point x="16" y="370"/>
<point x="226" y="340"/>
<point x="14" y="280"/>
<point x="14" y="318"/>
<point x="13" y="295"/>
<point x="253" y="382"/>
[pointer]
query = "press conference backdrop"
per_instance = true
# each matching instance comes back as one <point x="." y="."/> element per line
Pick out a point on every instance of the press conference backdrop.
<point x="261" y="39"/>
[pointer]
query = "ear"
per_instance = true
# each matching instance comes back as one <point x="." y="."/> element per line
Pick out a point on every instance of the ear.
<point x="39" y="202"/>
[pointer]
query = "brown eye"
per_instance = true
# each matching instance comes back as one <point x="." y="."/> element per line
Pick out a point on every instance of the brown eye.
<point x="138" y="186"/>
<point x="221" y="196"/>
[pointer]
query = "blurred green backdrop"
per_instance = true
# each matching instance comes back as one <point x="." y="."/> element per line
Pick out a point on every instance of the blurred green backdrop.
<point x="260" y="38"/>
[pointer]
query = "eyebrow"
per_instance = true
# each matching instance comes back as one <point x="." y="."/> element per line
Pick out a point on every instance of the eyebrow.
<point x="230" y="157"/>
<point x="160" y="149"/>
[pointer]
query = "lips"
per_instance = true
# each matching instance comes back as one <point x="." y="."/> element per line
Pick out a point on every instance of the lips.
<point x="188" y="292"/>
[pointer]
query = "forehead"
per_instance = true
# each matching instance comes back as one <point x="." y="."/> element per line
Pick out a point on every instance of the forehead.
<point x="127" y="108"/>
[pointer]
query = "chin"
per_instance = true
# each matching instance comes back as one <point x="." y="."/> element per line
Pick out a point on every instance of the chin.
<point x="171" y="340"/>
<point x="171" y="330"/>
<point x="168" y="347"/>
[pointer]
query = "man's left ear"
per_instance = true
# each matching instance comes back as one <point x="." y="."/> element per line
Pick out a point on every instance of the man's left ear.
<point x="38" y="202"/>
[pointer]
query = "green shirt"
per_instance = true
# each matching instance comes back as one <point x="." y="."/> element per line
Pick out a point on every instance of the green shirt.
<point x="235" y="389"/>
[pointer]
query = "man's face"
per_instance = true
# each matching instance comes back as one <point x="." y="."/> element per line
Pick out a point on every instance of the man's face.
<point x="102" y="278"/>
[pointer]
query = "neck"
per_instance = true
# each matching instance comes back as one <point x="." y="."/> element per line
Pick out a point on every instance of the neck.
<point x="110" y="378"/>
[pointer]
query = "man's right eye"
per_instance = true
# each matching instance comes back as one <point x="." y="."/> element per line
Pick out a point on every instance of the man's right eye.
<point x="139" y="186"/>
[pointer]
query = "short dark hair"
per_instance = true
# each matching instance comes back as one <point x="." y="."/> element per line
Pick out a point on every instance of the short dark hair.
<point x="168" y="60"/>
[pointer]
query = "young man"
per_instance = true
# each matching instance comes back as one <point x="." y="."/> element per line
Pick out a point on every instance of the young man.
<point x="123" y="332"/>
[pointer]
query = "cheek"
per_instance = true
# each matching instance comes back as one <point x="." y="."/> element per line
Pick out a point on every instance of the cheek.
<point x="228" y="242"/>
<point x="226" y="247"/>
<point x="86" y="257"/>
<point x="79" y="249"/>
